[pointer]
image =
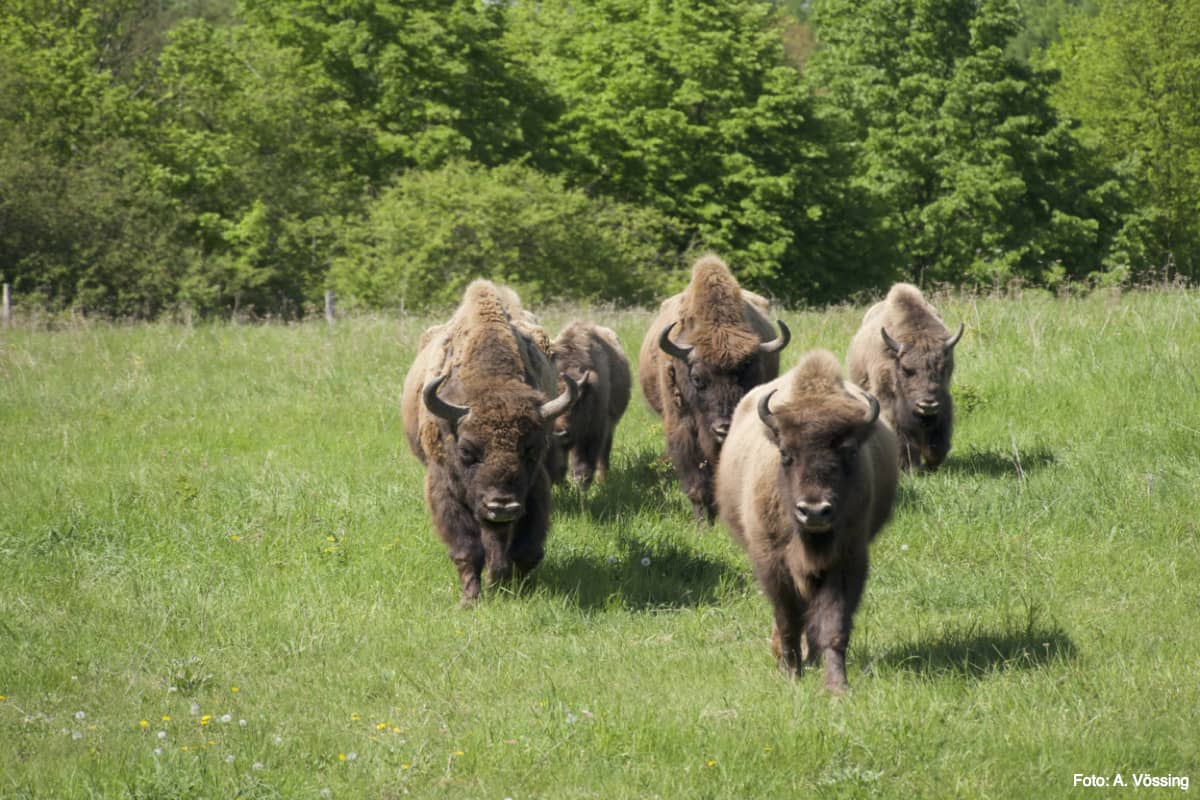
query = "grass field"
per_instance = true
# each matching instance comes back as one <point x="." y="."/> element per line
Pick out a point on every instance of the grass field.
<point x="219" y="580"/>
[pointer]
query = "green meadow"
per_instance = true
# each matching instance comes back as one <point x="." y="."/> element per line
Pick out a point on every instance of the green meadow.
<point x="219" y="580"/>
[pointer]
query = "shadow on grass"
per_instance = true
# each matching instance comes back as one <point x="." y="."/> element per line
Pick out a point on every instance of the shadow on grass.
<point x="637" y="481"/>
<point x="974" y="655"/>
<point x="998" y="463"/>
<point x="643" y="577"/>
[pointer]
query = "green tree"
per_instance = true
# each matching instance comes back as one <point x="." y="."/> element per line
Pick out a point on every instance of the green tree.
<point x="1131" y="74"/>
<point x="956" y="140"/>
<point x="689" y="107"/>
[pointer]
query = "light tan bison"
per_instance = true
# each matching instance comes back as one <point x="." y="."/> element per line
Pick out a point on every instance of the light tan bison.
<point x="707" y="347"/>
<point x="593" y="356"/>
<point x="806" y="481"/>
<point x="478" y="406"/>
<point x="904" y="355"/>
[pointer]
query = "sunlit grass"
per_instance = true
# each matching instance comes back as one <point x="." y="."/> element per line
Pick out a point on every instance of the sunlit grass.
<point x="220" y="580"/>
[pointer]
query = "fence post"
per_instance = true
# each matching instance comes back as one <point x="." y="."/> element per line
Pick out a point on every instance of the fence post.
<point x="330" y="306"/>
<point x="6" y="309"/>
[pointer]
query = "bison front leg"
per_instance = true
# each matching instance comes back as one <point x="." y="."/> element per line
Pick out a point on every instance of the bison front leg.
<point x="459" y="531"/>
<point x="787" y="632"/>
<point x="831" y="616"/>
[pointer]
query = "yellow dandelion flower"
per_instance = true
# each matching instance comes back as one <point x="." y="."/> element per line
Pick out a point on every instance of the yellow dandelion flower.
<point x="712" y="762"/>
<point x="144" y="724"/>
<point x="3" y="698"/>
<point x="354" y="717"/>
<point x="405" y="766"/>
<point x="395" y="730"/>
<point x="459" y="753"/>
<point x="233" y="689"/>
<point x="381" y="726"/>
<point x="211" y="742"/>
<point x="331" y="538"/>
<point x="235" y="538"/>
<point x="183" y="747"/>
<point x="341" y="756"/>
<point x="207" y="718"/>
<point x="166" y="718"/>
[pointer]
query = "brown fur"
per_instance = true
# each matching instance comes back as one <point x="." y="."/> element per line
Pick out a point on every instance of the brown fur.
<point x="592" y="354"/>
<point x="814" y="580"/>
<point x="501" y="373"/>
<point x="915" y="324"/>
<point x="725" y="325"/>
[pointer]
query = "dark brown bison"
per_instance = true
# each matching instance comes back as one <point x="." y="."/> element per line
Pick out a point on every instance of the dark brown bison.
<point x="707" y="347"/>
<point x="478" y="406"/>
<point x="904" y="355"/>
<point x="806" y="481"/>
<point x="592" y="355"/>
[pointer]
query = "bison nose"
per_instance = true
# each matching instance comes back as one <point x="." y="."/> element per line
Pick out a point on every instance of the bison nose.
<point x="502" y="509"/>
<point x="928" y="408"/>
<point x="720" y="430"/>
<point x="815" y="516"/>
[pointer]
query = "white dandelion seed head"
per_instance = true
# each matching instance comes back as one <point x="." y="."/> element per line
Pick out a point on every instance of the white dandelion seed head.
<point x="229" y="759"/>
<point x="903" y="547"/>
<point x="77" y="735"/>
<point x="278" y="740"/>
<point x="80" y="715"/>
<point x="226" y="718"/>
<point x="195" y="709"/>
<point x="242" y="722"/>
<point x="351" y="755"/>
<point x="326" y="792"/>
<point x="646" y="561"/>
<point x="162" y="734"/>
<point x="172" y="689"/>
<point x="571" y="718"/>
<point x="256" y="765"/>
<point x="158" y="751"/>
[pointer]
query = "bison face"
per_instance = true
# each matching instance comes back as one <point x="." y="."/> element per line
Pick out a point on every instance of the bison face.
<point x="713" y="392"/>
<point x="923" y="369"/>
<point x="567" y="426"/>
<point x="495" y="447"/>
<point x="818" y="459"/>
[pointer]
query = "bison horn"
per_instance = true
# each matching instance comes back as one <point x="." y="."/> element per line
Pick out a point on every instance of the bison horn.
<point x="953" y="340"/>
<point x="669" y="347"/>
<point x="553" y="408"/>
<point x="874" y="413"/>
<point x="765" y="413"/>
<point x="891" y="343"/>
<point x="778" y="343"/>
<point x="439" y="407"/>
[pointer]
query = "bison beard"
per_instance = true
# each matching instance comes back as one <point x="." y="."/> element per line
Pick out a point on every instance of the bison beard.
<point x="807" y="482"/>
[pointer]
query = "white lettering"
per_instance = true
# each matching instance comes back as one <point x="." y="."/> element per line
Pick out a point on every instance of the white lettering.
<point x="1118" y="780"/>
<point x="1089" y="780"/>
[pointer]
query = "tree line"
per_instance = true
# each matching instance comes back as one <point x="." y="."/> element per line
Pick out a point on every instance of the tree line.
<point x="223" y="155"/>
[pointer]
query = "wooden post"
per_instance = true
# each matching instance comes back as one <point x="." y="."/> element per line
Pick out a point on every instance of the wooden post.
<point x="330" y="306"/>
<point x="6" y="309"/>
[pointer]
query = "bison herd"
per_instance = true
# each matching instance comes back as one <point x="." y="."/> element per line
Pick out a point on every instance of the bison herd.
<point x="802" y="468"/>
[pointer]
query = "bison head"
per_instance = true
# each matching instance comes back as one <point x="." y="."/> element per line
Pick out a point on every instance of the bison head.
<point x="712" y="390"/>
<point x="818" y="457"/>
<point x="498" y="444"/>
<point x="923" y="369"/>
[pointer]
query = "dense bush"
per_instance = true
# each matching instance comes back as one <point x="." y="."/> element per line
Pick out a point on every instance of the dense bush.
<point x="433" y="231"/>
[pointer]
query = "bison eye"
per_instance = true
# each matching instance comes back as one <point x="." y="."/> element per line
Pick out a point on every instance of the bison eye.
<point x="530" y="453"/>
<point x="699" y="381"/>
<point x="908" y="371"/>
<point x="469" y="454"/>
<point x="785" y="458"/>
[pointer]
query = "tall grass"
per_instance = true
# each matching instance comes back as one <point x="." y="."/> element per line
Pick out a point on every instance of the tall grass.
<point x="222" y="525"/>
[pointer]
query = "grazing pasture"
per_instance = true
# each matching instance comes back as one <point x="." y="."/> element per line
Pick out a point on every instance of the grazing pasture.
<point x="219" y="579"/>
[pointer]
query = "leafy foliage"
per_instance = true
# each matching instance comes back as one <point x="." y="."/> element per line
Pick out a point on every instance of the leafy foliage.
<point x="434" y="231"/>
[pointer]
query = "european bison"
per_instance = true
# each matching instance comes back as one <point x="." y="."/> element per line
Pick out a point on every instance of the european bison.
<point x="592" y="355"/>
<point x="707" y="347"/>
<point x="807" y="480"/>
<point x="904" y="355"/>
<point x="478" y="405"/>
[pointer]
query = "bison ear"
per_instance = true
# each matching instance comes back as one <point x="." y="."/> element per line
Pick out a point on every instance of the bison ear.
<point x="767" y="416"/>
<point x="953" y="340"/>
<point x="440" y="408"/>
<point x="669" y="347"/>
<point x="891" y="344"/>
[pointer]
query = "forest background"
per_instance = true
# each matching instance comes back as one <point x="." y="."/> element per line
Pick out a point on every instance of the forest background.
<point x="219" y="157"/>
